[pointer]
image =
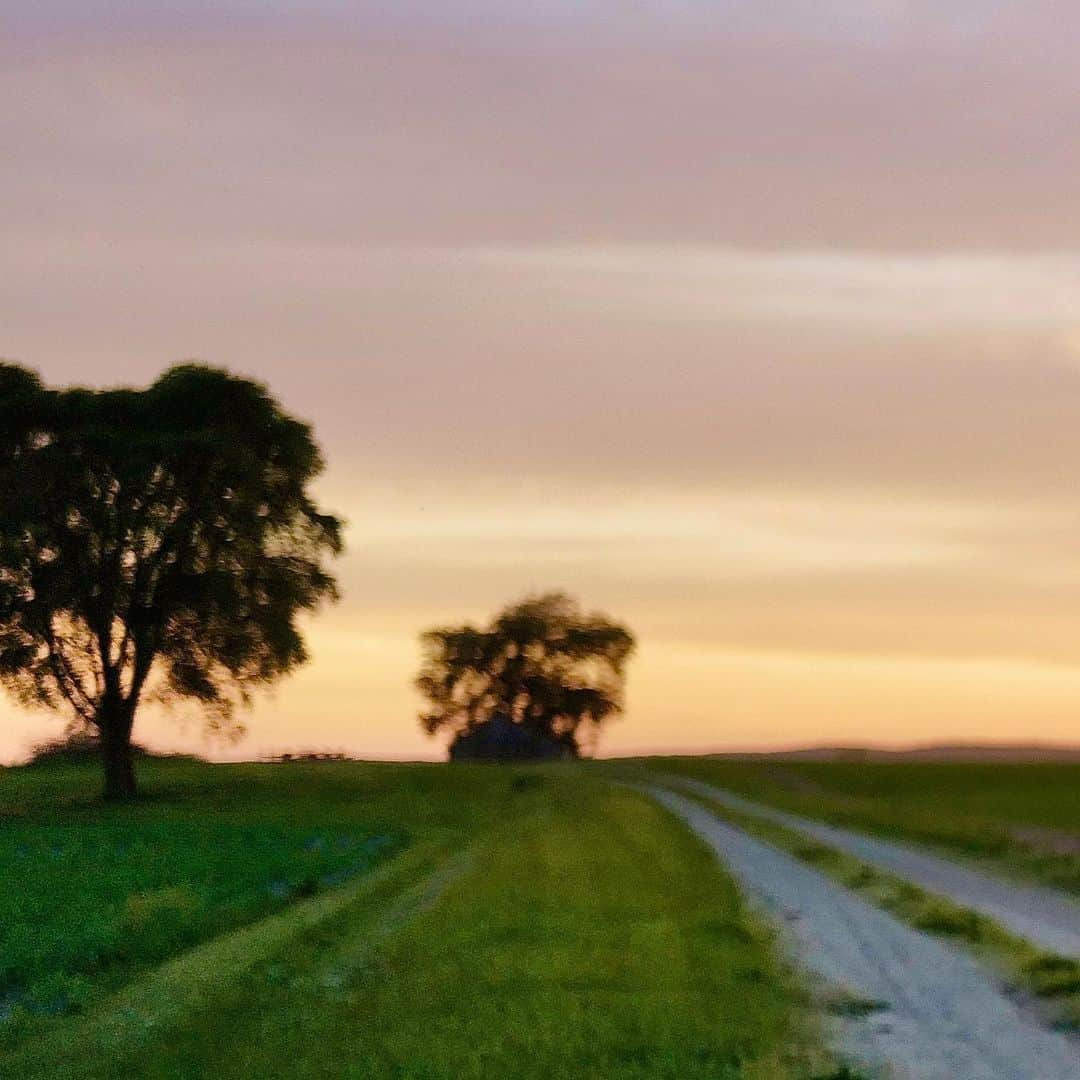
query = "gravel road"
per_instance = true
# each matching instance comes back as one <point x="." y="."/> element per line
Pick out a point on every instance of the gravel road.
<point x="1046" y="918"/>
<point x="941" y="1018"/>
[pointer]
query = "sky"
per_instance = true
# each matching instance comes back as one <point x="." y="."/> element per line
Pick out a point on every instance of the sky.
<point x="756" y="326"/>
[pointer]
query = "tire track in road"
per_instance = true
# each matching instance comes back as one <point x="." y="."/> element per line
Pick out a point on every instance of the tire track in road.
<point x="942" y="1019"/>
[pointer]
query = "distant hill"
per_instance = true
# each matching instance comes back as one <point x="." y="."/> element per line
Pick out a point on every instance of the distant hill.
<point x="975" y="752"/>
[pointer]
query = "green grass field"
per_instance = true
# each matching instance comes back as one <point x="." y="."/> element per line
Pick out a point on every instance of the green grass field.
<point x="378" y="921"/>
<point x="1025" y="817"/>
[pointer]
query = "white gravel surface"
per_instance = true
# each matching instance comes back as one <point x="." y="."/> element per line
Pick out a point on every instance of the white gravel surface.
<point x="942" y="1019"/>
<point x="1047" y="918"/>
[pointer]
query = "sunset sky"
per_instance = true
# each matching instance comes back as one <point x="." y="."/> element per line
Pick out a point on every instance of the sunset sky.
<point x="756" y="325"/>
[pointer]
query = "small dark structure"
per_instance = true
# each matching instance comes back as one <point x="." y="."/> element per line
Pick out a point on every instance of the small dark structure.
<point x="501" y="739"/>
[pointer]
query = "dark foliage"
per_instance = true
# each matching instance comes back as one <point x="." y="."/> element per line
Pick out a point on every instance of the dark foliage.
<point x="543" y="663"/>
<point x="500" y="739"/>
<point x="81" y="746"/>
<point x="159" y="540"/>
<point x="306" y="757"/>
<point x="76" y="746"/>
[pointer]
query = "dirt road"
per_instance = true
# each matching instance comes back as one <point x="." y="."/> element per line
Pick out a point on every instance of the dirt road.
<point x="1046" y="918"/>
<point x="939" y="1017"/>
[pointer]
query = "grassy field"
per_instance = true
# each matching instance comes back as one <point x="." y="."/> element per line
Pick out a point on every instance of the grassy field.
<point x="1026" y="817"/>
<point x="381" y="921"/>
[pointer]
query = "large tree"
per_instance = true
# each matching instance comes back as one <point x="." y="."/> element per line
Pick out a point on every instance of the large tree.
<point x="542" y="663"/>
<point x="159" y="541"/>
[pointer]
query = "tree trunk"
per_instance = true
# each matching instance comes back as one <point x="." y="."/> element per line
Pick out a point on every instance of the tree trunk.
<point x="115" y="730"/>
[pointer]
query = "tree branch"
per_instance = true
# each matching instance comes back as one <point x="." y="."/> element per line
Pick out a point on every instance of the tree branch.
<point x="70" y="684"/>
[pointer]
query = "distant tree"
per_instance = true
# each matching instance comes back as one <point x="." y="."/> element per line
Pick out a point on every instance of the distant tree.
<point x="541" y="663"/>
<point x="153" y="541"/>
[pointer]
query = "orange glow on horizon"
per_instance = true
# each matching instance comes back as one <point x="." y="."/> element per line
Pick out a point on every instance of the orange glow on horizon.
<point x="644" y="308"/>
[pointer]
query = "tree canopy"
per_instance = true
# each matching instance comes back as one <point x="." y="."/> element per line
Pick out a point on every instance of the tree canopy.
<point x="541" y="663"/>
<point x="153" y="541"/>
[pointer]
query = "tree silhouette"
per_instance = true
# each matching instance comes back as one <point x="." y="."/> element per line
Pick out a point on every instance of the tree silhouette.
<point x="159" y="540"/>
<point x="541" y="663"/>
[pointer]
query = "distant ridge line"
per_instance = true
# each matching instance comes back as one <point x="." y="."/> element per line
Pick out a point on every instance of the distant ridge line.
<point x="973" y="752"/>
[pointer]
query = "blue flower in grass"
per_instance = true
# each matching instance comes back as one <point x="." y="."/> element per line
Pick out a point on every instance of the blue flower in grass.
<point x="279" y="889"/>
